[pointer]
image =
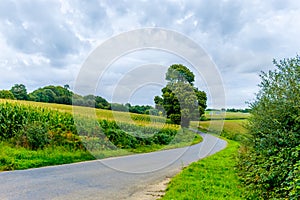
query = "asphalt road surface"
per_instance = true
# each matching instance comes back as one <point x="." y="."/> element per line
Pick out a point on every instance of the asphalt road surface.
<point x="112" y="178"/>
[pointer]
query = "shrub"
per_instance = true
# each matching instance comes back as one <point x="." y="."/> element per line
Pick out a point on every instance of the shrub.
<point x="270" y="165"/>
<point x="33" y="136"/>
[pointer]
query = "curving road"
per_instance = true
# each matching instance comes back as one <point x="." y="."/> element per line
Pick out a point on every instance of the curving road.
<point x="112" y="178"/>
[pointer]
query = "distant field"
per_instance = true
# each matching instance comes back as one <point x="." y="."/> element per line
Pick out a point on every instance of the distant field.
<point x="213" y="125"/>
<point x="234" y="129"/>
<point x="216" y="115"/>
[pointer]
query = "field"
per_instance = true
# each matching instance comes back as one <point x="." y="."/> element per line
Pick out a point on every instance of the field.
<point x="217" y="115"/>
<point x="234" y="129"/>
<point x="38" y="134"/>
<point x="137" y="119"/>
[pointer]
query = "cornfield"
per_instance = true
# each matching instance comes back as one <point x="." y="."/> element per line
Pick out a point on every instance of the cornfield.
<point x="36" y="125"/>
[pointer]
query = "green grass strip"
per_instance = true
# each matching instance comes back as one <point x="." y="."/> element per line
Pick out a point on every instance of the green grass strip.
<point x="12" y="158"/>
<point x="214" y="177"/>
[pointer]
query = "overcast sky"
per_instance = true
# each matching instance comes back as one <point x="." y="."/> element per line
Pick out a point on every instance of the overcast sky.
<point x="47" y="42"/>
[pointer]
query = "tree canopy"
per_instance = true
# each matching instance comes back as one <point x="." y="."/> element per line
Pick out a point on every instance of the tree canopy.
<point x="52" y="94"/>
<point x="181" y="102"/>
<point x="180" y="73"/>
<point x="19" y="91"/>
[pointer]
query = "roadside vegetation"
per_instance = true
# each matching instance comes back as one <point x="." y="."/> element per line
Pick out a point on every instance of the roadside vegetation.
<point x="36" y="134"/>
<point x="270" y="163"/>
<point x="265" y="162"/>
<point x="42" y="128"/>
<point x="262" y="160"/>
<point x="214" y="177"/>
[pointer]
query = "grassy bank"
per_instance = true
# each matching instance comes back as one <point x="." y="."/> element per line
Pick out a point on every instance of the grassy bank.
<point x="214" y="177"/>
<point x="12" y="157"/>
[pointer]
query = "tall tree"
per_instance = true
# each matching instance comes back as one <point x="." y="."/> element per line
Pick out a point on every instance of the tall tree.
<point x="19" y="91"/>
<point x="181" y="101"/>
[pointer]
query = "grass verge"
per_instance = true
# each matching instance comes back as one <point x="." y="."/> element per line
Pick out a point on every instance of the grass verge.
<point x="21" y="158"/>
<point x="214" y="177"/>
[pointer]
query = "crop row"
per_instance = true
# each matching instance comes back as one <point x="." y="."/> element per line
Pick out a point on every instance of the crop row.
<point x="36" y="127"/>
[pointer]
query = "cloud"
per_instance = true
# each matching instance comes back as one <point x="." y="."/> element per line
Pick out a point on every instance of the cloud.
<point x="44" y="42"/>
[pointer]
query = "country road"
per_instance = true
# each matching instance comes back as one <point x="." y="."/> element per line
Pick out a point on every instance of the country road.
<point x="112" y="178"/>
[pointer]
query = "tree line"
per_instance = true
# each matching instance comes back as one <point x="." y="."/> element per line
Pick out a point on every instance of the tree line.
<point x="63" y="95"/>
<point x="181" y="102"/>
<point x="246" y="110"/>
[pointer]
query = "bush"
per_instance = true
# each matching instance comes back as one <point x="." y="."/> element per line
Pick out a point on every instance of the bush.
<point x="270" y="165"/>
<point x="34" y="136"/>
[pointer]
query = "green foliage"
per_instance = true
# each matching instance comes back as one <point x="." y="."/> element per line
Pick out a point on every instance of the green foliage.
<point x="101" y="103"/>
<point x="12" y="157"/>
<point x="143" y="109"/>
<point x="63" y="95"/>
<point x="175" y="118"/>
<point x="35" y="127"/>
<point x="52" y="94"/>
<point x="33" y="136"/>
<point x="119" y="107"/>
<point x="270" y="165"/>
<point x="91" y="101"/>
<point x="180" y="101"/>
<point x="246" y="110"/>
<point x="19" y="91"/>
<point x="180" y="73"/>
<point x="214" y="177"/>
<point x="201" y="99"/>
<point x="43" y="95"/>
<point x="124" y="135"/>
<point x="187" y="101"/>
<point x="6" y="94"/>
<point x="28" y="128"/>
